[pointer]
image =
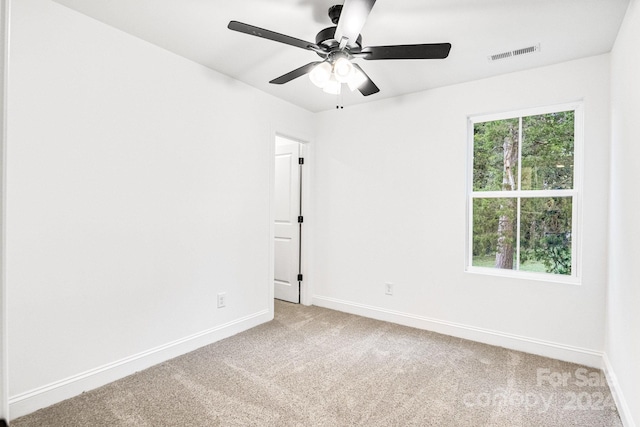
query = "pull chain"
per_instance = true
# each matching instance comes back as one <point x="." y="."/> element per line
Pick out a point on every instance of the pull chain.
<point x="339" y="101"/>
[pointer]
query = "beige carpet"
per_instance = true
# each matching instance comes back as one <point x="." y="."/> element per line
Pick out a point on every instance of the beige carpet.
<point x="317" y="367"/>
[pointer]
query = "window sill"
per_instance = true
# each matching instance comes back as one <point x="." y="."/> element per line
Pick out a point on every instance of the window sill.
<point x="525" y="275"/>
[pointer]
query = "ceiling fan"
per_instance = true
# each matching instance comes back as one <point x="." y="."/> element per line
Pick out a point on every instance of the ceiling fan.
<point x="339" y="45"/>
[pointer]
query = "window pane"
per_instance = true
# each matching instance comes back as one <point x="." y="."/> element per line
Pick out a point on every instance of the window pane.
<point x="547" y="151"/>
<point x="494" y="233"/>
<point x="545" y="235"/>
<point x="495" y="155"/>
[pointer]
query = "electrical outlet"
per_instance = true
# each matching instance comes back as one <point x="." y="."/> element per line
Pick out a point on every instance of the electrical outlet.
<point x="388" y="288"/>
<point x="222" y="299"/>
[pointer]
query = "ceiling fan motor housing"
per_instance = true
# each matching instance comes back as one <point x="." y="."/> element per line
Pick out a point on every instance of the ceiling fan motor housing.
<point x="326" y="38"/>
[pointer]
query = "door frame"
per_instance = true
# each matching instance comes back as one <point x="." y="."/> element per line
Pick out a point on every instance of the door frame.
<point x="306" y="294"/>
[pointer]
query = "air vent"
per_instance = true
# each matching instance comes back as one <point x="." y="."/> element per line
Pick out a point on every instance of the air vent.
<point x="512" y="53"/>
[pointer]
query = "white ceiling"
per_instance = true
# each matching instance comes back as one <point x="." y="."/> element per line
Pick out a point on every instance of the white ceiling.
<point x="197" y="30"/>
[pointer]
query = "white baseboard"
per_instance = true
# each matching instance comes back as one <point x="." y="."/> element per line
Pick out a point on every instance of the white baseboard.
<point x="553" y="350"/>
<point x="58" y="391"/>
<point x="618" y="397"/>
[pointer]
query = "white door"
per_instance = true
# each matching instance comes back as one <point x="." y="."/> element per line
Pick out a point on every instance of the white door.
<point x="287" y="228"/>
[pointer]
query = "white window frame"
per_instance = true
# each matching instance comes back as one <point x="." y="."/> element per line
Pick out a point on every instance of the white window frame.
<point x="575" y="193"/>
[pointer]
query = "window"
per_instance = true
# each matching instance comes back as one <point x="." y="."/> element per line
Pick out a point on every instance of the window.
<point x="523" y="193"/>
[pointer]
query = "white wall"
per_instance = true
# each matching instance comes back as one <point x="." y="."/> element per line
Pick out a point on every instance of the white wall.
<point x="623" y="315"/>
<point x="137" y="189"/>
<point x="390" y="197"/>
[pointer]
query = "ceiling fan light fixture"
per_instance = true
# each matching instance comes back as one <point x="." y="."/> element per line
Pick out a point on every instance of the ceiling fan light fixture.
<point x="332" y="86"/>
<point x="343" y="69"/>
<point x="321" y="74"/>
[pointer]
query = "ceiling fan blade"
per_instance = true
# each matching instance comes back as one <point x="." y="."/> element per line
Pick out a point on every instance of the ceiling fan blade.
<point x="407" y="51"/>
<point x="272" y="35"/>
<point x="294" y="74"/>
<point x="352" y="18"/>
<point x="368" y="87"/>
